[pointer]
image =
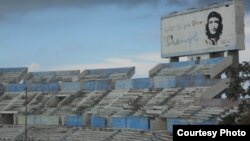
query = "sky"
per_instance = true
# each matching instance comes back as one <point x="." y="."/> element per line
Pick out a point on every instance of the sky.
<point x="48" y="35"/>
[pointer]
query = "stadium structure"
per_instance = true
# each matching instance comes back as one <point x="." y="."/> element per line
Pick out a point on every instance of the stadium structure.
<point x="109" y="105"/>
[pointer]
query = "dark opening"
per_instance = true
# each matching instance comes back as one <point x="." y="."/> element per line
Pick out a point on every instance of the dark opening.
<point x="7" y="119"/>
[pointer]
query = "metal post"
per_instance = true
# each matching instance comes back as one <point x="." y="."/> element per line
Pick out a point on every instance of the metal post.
<point x="26" y="103"/>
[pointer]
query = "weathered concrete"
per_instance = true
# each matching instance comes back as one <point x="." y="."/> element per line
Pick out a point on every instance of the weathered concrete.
<point x="219" y="68"/>
<point x="158" y="124"/>
<point x="217" y="89"/>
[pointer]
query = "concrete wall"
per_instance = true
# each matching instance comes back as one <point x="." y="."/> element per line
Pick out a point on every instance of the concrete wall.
<point x="157" y="124"/>
<point x="164" y="82"/>
<point x="38" y="120"/>
<point x="119" y="122"/>
<point x="74" y="120"/>
<point x="211" y="61"/>
<point x="139" y="123"/>
<point x="16" y="87"/>
<point x="86" y="120"/>
<point x="46" y="87"/>
<point x="182" y="81"/>
<point x="71" y="86"/>
<point x="221" y="66"/>
<point x="123" y="84"/>
<point x="179" y="64"/>
<point x="142" y="83"/>
<point x="191" y="80"/>
<point x="138" y="83"/>
<point x="98" y="85"/>
<point x="217" y="89"/>
<point x="97" y="121"/>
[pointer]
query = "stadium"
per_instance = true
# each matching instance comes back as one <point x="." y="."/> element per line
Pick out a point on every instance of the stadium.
<point x="108" y="104"/>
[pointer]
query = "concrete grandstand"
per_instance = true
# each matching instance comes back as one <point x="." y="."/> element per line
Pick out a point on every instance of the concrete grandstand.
<point x="115" y="108"/>
<point x="109" y="105"/>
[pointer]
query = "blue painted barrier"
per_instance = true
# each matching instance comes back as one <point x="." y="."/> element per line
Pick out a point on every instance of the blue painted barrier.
<point x="98" y="85"/>
<point x="71" y="86"/>
<point x="119" y="122"/>
<point x="16" y="87"/>
<point x="46" y="87"/>
<point x="140" y="123"/>
<point x="211" y="61"/>
<point x="74" y="120"/>
<point x="21" y="69"/>
<point x="97" y="121"/>
<point x="123" y="84"/>
<point x="164" y="82"/>
<point x="142" y="83"/>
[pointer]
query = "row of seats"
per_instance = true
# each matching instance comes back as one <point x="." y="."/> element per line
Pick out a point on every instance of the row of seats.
<point x="12" y="76"/>
<point x="59" y="133"/>
<point x="10" y="133"/>
<point x="168" y="103"/>
<point x="189" y="70"/>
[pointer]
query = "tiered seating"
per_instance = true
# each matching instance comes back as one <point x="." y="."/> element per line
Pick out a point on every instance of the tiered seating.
<point x="104" y="108"/>
<point x="214" y="113"/>
<point x="131" y="136"/>
<point x="146" y="97"/>
<point x="66" y="76"/>
<point x="51" y="76"/>
<point x="174" y="71"/>
<point x="66" y="107"/>
<point x="185" y="67"/>
<point x="109" y="73"/>
<point x="199" y="69"/>
<point x="52" y="105"/>
<point x="162" y="136"/>
<point x="37" y="104"/>
<point x="121" y="103"/>
<point x="126" y="103"/>
<point x="89" y="101"/>
<point x="58" y="133"/>
<point x="127" y="135"/>
<point x="7" y="100"/>
<point x="189" y="70"/>
<point x="10" y="133"/>
<point x="182" y="105"/>
<point x="71" y="103"/>
<point x="158" y="104"/>
<point x="47" y="133"/>
<point x="19" y="103"/>
<point x="91" y="135"/>
<point x="12" y="75"/>
<point x="80" y="102"/>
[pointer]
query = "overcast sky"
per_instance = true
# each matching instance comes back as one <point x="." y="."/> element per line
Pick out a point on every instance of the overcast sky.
<point x="49" y="35"/>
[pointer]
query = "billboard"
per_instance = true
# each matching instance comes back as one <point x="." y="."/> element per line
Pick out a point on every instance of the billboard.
<point x="214" y="28"/>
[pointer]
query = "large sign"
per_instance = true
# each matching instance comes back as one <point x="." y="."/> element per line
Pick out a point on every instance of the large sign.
<point x="218" y="27"/>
